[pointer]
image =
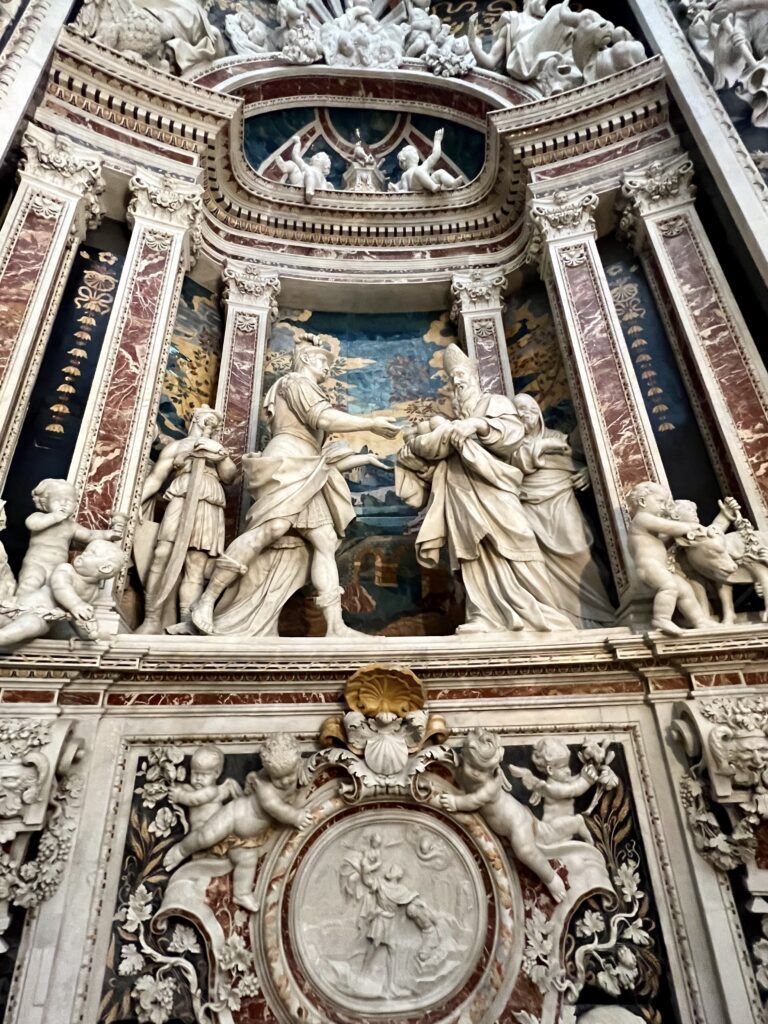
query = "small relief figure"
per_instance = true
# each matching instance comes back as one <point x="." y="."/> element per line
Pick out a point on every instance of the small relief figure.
<point x="418" y="175"/>
<point x="7" y="579"/>
<point x="559" y="788"/>
<point x="269" y="800"/>
<point x="204" y="795"/>
<point x="551" y="475"/>
<point x="53" y="529"/>
<point x="192" y="530"/>
<point x="725" y="558"/>
<point x="311" y="175"/>
<point x="650" y="506"/>
<point x="246" y="33"/>
<point x="486" y="790"/>
<point x="69" y="593"/>
<point x="299" y="37"/>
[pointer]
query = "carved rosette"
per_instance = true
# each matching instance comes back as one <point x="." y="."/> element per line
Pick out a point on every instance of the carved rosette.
<point x="246" y="284"/>
<point x="171" y="202"/>
<point x="59" y="165"/>
<point x="565" y="215"/>
<point x="660" y="187"/>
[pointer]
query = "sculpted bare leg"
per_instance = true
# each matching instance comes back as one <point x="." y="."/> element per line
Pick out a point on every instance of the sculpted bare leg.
<point x="325" y="579"/>
<point x="233" y="564"/>
<point x="152" y="608"/>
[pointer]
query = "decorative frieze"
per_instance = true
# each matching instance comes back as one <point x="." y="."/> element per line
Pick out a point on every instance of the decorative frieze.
<point x="712" y="344"/>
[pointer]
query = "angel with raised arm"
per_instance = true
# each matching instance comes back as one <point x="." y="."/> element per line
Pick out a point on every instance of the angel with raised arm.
<point x="420" y="175"/>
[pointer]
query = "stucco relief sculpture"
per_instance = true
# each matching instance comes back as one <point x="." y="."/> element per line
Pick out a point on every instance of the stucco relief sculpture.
<point x="364" y="172"/>
<point x="310" y="175"/>
<point x="679" y="558"/>
<point x="38" y="790"/>
<point x="301" y="507"/>
<point x="172" y="35"/>
<point x="731" y="37"/>
<point x="174" y="557"/>
<point x="555" y="49"/>
<point x="357" y="38"/>
<point x="462" y="469"/>
<point x="247" y="33"/>
<point x="424" y="175"/>
<point x="233" y="824"/>
<point x="552" y="473"/>
<point x="50" y="588"/>
<point x="299" y="34"/>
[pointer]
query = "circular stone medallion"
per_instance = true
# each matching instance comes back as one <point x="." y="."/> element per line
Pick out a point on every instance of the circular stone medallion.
<point x="388" y="913"/>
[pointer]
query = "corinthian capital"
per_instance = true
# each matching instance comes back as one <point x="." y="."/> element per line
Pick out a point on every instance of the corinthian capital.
<point x="167" y="200"/>
<point x="560" y="217"/>
<point x="246" y="283"/>
<point x="660" y="186"/>
<point x="477" y="290"/>
<point x="56" y="162"/>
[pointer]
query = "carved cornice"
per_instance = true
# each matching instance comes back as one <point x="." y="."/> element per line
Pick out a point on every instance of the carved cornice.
<point x="168" y="201"/>
<point x="54" y="160"/>
<point x="247" y="284"/>
<point x="477" y="290"/>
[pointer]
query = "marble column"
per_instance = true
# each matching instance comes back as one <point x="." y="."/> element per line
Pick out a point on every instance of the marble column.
<point x="56" y="202"/>
<point x="715" y="351"/>
<point x="250" y="296"/>
<point x="477" y="307"/>
<point x="119" y="422"/>
<point x="616" y="433"/>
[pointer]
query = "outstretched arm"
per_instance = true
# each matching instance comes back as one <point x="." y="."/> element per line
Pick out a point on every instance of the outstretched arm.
<point x="65" y="594"/>
<point x="277" y="808"/>
<point x="337" y="422"/>
<point x="489" y="60"/>
<point x="437" y="151"/>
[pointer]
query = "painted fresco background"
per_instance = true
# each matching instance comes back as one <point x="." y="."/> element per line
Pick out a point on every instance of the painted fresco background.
<point x="388" y="365"/>
<point x="192" y="371"/>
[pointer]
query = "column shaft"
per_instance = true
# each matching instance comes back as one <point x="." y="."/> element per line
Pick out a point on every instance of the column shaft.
<point x="250" y="297"/>
<point x="119" y="421"/>
<point x="715" y="351"/>
<point x="478" y="309"/>
<point x="616" y="432"/>
<point x="56" y="202"/>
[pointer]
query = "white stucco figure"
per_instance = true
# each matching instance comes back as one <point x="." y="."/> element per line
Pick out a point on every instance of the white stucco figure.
<point x="650" y="530"/>
<point x="270" y="800"/>
<point x="357" y="39"/>
<point x="204" y="794"/>
<point x="69" y="593"/>
<point x="302" y="504"/>
<point x="725" y="558"/>
<point x="299" y="35"/>
<point x="420" y="175"/>
<point x="464" y="467"/>
<point x="192" y="529"/>
<point x="173" y="35"/>
<point x="552" y="474"/>
<point x="7" y="579"/>
<point x="311" y="175"/>
<point x="487" y="791"/>
<point x="53" y="529"/>
<point x="731" y="36"/>
<point x="247" y="34"/>
<point x="555" y="49"/>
